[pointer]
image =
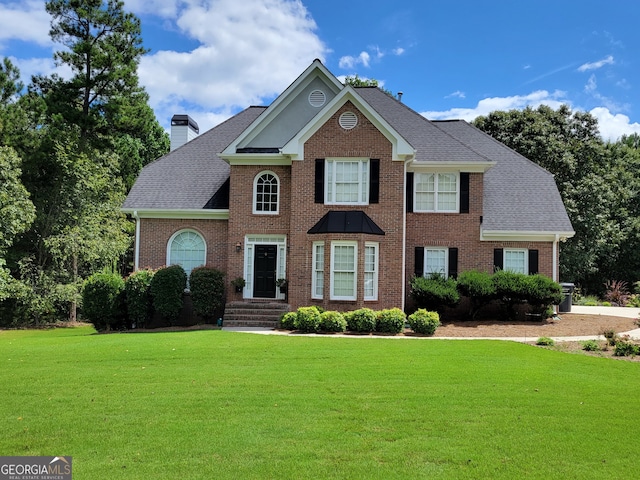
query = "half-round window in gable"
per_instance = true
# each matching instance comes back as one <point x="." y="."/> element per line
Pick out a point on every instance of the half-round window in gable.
<point x="265" y="193"/>
<point x="317" y="98"/>
<point x="348" y="120"/>
<point x="187" y="249"/>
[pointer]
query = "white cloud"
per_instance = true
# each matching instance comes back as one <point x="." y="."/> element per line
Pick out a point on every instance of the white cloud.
<point x="249" y="51"/>
<point x="27" y="21"/>
<point x="591" y="85"/>
<point x="488" y="105"/>
<point x="398" y="51"/>
<point x="456" y="94"/>
<point x="613" y="126"/>
<point x="596" y="65"/>
<point x="349" y="62"/>
<point x="162" y="8"/>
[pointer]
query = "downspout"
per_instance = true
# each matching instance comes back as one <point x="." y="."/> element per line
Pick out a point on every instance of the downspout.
<point x="136" y="254"/>
<point x="555" y="258"/>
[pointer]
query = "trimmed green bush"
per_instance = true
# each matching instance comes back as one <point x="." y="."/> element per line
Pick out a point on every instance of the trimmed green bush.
<point x="362" y="320"/>
<point x="288" y="321"/>
<point x="137" y="288"/>
<point x="207" y="292"/>
<point x="332" y="322"/>
<point x="590" y="346"/>
<point x="308" y="319"/>
<point x="102" y="299"/>
<point x="541" y="293"/>
<point x="391" y="320"/>
<point x="511" y="290"/>
<point x="424" y="321"/>
<point x="545" y="342"/>
<point x="167" y="287"/>
<point x="434" y="292"/>
<point x="478" y="287"/>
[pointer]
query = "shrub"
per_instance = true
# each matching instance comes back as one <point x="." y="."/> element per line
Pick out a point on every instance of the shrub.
<point x="101" y="299"/>
<point x="545" y="342"/>
<point x="390" y="321"/>
<point x="167" y="286"/>
<point x="138" y="297"/>
<point x="207" y="291"/>
<point x="288" y="320"/>
<point x="542" y="292"/>
<point x="617" y="292"/>
<point x="478" y="287"/>
<point x="590" y="346"/>
<point x="362" y="320"/>
<point x="625" y="348"/>
<point x="434" y="292"/>
<point x="423" y="321"/>
<point x="308" y="319"/>
<point x="511" y="290"/>
<point x="611" y="336"/>
<point x="332" y="322"/>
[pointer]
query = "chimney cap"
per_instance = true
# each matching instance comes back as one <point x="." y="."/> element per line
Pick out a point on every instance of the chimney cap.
<point x="184" y="120"/>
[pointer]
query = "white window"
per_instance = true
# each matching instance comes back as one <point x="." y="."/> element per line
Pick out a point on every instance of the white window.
<point x="265" y="193"/>
<point x="344" y="262"/>
<point x="436" y="192"/>
<point x="187" y="249"/>
<point x="317" y="281"/>
<point x="435" y="261"/>
<point x="516" y="260"/>
<point x="347" y="181"/>
<point x="371" y="271"/>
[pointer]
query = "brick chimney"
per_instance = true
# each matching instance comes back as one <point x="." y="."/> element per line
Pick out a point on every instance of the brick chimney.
<point x="183" y="129"/>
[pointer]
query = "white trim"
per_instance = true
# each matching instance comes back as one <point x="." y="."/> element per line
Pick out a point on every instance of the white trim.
<point x="436" y="192"/>
<point x="516" y="250"/>
<point x="136" y="251"/>
<point x="446" y="167"/>
<point x="376" y="247"/>
<point x="255" y="193"/>
<point x="555" y="273"/>
<point x="363" y="180"/>
<point x="401" y="149"/>
<point x="184" y="213"/>
<point x="254" y="159"/>
<point x="314" y="261"/>
<point x="179" y="232"/>
<point x="250" y="241"/>
<point x="355" y="270"/>
<point x="446" y="261"/>
<point x="523" y="236"/>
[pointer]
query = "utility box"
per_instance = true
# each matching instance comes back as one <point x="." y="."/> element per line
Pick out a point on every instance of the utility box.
<point x="567" y="291"/>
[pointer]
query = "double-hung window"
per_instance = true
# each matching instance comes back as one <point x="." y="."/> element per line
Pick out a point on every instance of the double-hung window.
<point x="515" y="260"/>
<point x="344" y="267"/>
<point x="347" y="181"/>
<point x="436" y="192"/>
<point x="317" y="281"/>
<point x="435" y="261"/>
<point x="371" y="271"/>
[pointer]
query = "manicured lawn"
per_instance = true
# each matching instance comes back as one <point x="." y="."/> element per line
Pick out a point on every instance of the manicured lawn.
<point x="213" y="404"/>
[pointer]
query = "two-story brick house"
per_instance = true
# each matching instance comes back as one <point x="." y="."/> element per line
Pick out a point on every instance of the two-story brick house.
<point x="347" y="193"/>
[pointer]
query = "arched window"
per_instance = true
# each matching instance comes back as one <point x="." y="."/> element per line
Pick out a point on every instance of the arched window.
<point x="266" y="193"/>
<point x="187" y="249"/>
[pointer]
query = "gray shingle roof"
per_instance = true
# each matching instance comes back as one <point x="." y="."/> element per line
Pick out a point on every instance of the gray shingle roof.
<point x="189" y="176"/>
<point x="519" y="195"/>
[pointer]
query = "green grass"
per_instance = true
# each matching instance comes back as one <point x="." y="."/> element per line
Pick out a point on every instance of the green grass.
<point x="214" y="404"/>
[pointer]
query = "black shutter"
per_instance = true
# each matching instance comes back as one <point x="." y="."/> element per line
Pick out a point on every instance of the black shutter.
<point x="498" y="259"/>
<point x="419" y="262"/>
<point x="409" y="192"/>
<point x="374" y="180"/>
<point x="533" y="262"/>
<point x="464" y="192"/>
<point x="453" y="263"/>
<point x="319" y="191"/>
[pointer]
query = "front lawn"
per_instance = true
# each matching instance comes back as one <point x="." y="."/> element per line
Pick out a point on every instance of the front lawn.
<point x="215" y="404"/>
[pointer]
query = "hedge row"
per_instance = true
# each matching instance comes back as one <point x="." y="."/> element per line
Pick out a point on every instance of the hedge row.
<point x="364" y="320"/>
<point x="110" y="303"/>
<point x="509" y="289"/>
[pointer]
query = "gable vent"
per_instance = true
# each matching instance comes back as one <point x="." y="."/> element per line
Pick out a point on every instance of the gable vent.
<point x="348" y="120"/>
<point x="317" y="98"/>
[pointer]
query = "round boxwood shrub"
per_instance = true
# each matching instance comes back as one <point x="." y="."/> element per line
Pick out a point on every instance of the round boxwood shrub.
<point x="391" y="320"/>
<point x="362" y="320"/>
<point x="207" y="292"/>
<point x="332" y="322"/>
<point x="167" y="286"/>
<point x="288" y="321"/>
<point x="137" y="288"/>
<point x="424" y="321"/>
<point x="308" y="319"/>
<point x="101" y="299"/>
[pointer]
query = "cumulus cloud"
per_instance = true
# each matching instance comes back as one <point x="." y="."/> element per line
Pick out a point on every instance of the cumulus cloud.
<point x="248" y="51"/>
<point x="27" y="21"/>
<point x="613" y="126"/>
<point x="348" y="61"/>
<point x="596" y="65"/>
<point x="488" y="105"/>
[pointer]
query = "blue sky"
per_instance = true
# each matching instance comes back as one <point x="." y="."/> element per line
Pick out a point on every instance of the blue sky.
<point x="211" y="58"/>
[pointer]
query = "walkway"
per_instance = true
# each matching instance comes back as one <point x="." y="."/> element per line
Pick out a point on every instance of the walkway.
<point x="609" y="311"/>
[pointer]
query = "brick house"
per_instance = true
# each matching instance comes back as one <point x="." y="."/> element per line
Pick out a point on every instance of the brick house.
<point x="347" y="193"/>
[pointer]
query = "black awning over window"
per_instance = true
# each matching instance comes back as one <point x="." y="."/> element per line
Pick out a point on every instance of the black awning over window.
<point x="353" y="221"/>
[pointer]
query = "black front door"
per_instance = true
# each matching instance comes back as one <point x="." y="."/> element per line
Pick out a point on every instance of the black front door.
<point x="264" y="271"/>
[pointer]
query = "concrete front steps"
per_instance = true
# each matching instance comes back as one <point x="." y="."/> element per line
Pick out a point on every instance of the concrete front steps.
<point x="254" y="313"/>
